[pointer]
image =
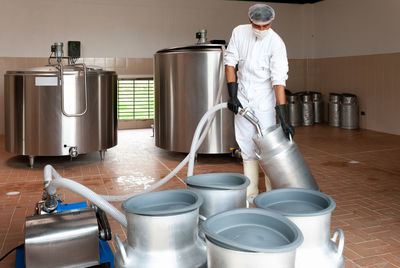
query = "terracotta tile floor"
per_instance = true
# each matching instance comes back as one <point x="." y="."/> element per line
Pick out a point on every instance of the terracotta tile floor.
<point x="359" y="169"/>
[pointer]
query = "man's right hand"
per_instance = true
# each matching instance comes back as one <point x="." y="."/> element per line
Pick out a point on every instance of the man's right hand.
<point x="233" y="103"/>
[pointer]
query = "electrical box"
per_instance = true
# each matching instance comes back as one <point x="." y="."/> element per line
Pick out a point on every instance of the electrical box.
<point x="74" y="49"/>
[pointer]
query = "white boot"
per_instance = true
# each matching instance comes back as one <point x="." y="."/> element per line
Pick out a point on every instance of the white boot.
<point x="250" y="168"/>
<point x="268" y="186"/>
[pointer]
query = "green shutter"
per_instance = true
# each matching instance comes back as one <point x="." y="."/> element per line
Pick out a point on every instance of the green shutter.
<point x="135" y="99"/>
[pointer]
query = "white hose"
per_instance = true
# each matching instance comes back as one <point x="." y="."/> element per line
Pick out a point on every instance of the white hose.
<point x="89" y="195"/>
<point x="197" y="134"/>
<point x="49" y="173"/>
<point x="100" y="201"/>
<point x="196" y="143"/>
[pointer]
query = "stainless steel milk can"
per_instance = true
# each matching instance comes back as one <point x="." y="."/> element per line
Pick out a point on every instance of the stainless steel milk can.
<point x="311" y="211"/>
<point x="282" y="161"/>
<point x="251" y="238"/>
<point x="349" y="112"/>
<point x="162" y="231"/>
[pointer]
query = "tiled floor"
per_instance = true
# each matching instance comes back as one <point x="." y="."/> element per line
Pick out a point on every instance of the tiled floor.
<point x="360" y="169"/>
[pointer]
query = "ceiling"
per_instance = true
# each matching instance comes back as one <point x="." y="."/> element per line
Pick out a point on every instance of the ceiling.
<point x="287" y="1"/>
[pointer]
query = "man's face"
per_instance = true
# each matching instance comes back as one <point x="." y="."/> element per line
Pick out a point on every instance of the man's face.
<point x="261" y="27"/>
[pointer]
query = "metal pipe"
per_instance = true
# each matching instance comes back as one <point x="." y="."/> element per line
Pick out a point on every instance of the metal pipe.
<point x="246" y="113"/>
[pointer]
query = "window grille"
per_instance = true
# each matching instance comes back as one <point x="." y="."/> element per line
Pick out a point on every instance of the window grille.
<point x="135" y="99"/>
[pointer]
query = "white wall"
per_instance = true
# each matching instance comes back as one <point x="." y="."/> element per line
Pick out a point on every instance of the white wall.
<point x="129" y="28"/>
<point x="355" y="27"/>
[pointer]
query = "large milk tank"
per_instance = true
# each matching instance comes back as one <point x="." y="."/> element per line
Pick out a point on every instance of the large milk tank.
<point x="43" y="118"/>
<point x="187" y="80"/>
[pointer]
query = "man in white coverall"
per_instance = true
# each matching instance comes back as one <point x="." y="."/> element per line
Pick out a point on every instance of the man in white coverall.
<point x="262" y="63"/>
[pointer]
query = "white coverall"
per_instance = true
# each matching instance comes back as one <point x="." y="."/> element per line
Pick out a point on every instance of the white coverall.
<point x="262" y="63"/>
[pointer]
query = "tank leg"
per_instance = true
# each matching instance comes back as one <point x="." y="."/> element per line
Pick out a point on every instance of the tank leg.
<point x="31" y="161"/>
<point x="102" y="154"/>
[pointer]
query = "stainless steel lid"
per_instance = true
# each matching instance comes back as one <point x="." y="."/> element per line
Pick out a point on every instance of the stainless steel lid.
<point x="54" y="70"/>
<point x="348" y="98"/>
<point x="193" y="48"/>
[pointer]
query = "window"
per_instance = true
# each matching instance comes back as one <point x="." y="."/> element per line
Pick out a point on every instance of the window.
<point x="136" y="98"/>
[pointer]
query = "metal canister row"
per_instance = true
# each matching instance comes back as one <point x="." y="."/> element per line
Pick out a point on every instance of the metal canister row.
<point x="305" y="108"/>
<point x="343" y="111"/>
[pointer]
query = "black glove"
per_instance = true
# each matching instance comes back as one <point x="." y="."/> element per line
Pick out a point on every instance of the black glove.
<point x="287" y="128"/>
<point x="233" y="103"/>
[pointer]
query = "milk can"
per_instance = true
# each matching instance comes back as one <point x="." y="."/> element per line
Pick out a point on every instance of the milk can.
<point x="349" y="111"/>
<point x="311" y="211"/>
<point x="251" y="238"/>
<point x="307" y="108"/>
<point x="334" y="110"/>
<point x="294" y="110"/>
<point x="282" y="161"/>
<point x="220" y="191"/>
<point x="318" y="107"/>
<point x="162" y="231"/>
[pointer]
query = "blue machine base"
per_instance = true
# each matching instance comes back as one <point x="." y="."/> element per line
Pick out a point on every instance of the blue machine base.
<point x="106" y="255"/>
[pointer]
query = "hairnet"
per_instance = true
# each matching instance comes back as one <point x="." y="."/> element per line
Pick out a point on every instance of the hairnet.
<point x="261" y="14"/>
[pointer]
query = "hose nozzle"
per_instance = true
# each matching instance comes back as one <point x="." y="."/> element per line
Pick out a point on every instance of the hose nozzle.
<point x="249" y="115"/>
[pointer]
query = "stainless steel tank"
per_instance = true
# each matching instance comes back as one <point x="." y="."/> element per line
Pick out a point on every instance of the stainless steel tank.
<point x="44" y="118"/>
<point x="349" y="111"/>
<point x="187" y="80"/>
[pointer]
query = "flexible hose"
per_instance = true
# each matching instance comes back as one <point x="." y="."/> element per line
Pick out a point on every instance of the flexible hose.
<point x="89" y="195"/>
<point x="197" y="134"/>
<point x="196" y="143"/>
<point x="101" y="201"/>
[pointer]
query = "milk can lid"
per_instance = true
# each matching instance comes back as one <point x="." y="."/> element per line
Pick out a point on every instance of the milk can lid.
<point x="252" y="230"/>
<point x="163" y="203"/>
<point x="296" y="202"/>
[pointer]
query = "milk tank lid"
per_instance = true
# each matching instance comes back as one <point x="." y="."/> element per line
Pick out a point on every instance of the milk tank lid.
<point x="192" y="48"/>
<point x="54" y="69"/>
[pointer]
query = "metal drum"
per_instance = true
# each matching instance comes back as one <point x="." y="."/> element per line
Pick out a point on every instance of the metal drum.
<point x="318" y="107"/>
<point x="334" y="110"/>
<point x="349" y="111"/>
<point x="294" y="108"/>
<point x="49" y="116"/>
<point x="187" y="81"/>
<point x="307" y="108"/>
<point x="311" y="211"/>
<point x="282" y="161"/>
